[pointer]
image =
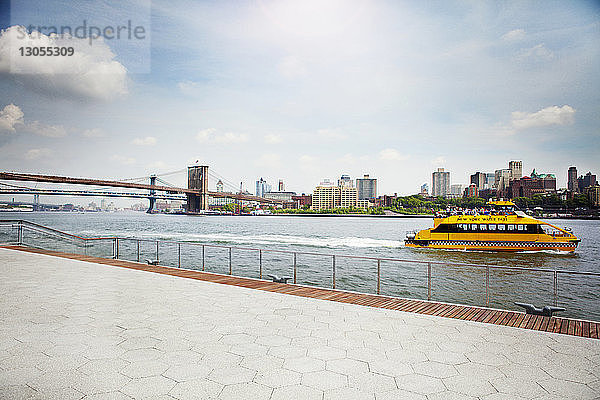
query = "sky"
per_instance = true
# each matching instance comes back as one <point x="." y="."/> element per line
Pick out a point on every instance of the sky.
<point x="302" y="90"/>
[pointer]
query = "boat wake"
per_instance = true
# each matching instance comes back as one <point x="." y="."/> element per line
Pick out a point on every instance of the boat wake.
<point x="268" y="239"/>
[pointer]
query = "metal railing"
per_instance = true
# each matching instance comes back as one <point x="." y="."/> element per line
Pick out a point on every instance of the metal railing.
<point x="25" y="232"/>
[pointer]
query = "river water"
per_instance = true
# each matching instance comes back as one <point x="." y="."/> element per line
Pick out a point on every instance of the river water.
<point x="349" y="236"/>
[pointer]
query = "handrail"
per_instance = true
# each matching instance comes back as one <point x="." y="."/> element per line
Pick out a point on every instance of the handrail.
<point x="115" y="241"/>
<point x="175" y="242"/>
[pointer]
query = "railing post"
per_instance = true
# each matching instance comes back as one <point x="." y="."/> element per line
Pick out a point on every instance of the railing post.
<point x="333" y="271"/>
<point x="117" y="244"/>
<point x="294" y="268"/>
<point x="203" y="257"/>
<point x="85" y="251"/>
<point x="178" y="255"/>
<point x="20" y="234"/>
<point x="114" y="249"/>
<point x="157" y="251"/>
<point x="260" y="264"/>
<point x="138" y="249"/>
<point x="230" y="270"/>
<point x="555" y="288"/>
<point x="487" y="286"/>
<point x="378" y="276"/>
<point x="429" y="281"/>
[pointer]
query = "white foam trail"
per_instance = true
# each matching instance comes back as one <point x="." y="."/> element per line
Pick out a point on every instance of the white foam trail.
<point x="350" y="241"/>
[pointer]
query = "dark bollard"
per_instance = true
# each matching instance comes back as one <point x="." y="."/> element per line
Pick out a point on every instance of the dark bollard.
<point x="547" y="311"/>
<point x="277" y="279"/>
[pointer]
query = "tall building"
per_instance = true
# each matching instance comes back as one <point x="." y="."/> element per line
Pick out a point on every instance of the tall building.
<point x="348" y="197"/>
<point x="281" y="187"/>
<point x="440" y="185"/>
<point x="220" y="186"/>
<point x="490" y="179"/>
<point x="572" y="179"/>
<point x="593" y="194"/>
<point x="329" y="197"/>
<point x="479" y="179"/>
<point x="325" y="197"/>
<point x="424" y="189"/>
<point x="367" y="187"/>
<point x="456" y="190"/>
<point x="516" y="169"/>
<point x="501" y="179"/>
<point x="345" y="181"/>
<point x="586" y="181"/>
<point x="262" y="187"/>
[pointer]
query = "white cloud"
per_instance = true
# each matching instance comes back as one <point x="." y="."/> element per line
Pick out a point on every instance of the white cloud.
<point x="52" y="131"/>
<point x="553" y="115"/>
<point x="90" y="73"/>
<point x="331" y="134"/>
<point x="514" y="35"/>
<point x="34" y="154"/>
<point x="93" y="133"/>
<point x="538" y="52"/>
<point x="145" y="141"/>
<point x="123" y="160"/>
<point x="211" y="135"/>
<point x="10" y="116"/>
<point x="391" y="155"/>
<point x="273" y="138"/>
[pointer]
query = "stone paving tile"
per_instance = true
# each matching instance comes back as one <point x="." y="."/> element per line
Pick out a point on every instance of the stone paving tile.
<point x="144" y="369"/>
<point x="244" y="391"/>
<point x="148" y="387"/>
<point x="324" y="380"/>
<point x="104" y="333"/>
<point x="196" y="389"/>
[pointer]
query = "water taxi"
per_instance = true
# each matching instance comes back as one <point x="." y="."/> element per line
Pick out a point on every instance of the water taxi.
<point x="499" y="227"/>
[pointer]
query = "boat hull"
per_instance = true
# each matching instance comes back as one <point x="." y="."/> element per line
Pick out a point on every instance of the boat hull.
<point x="496" y="245"/>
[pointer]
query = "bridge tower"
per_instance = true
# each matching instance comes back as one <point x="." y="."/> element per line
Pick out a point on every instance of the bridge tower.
<point x="198" y="180"/>
<point x="152" y="194"/>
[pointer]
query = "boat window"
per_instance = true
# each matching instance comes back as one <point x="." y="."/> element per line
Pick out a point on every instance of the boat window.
<point x="501" y="227"/>
<point x="510" y="227"/>
<point x="531" y="228"/>
<point x="474" y="227"/>
<point x="521" y="227"/>
<point x="483" y="227"/>
<point x="492" y="227"/>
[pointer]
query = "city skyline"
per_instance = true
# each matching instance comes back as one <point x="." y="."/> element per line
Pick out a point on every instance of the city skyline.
<point x="296" y="89"/>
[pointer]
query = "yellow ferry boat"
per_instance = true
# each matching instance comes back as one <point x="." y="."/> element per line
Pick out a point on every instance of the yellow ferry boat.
<point x="500" y="228"/>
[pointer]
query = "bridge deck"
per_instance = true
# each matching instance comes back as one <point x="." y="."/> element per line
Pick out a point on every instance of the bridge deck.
<point x="588" y="329"/>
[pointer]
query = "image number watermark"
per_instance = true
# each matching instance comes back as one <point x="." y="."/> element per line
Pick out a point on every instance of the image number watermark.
<point x="104" y="37"/>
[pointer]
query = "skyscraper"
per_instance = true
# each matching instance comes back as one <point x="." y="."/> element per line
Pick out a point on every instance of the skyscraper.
<point x="424" y="189"/>
<point x="345" y="181"/>
<point x="262" y="187"/>
<point x="516" y="169"/>
<point x="220" y="186"/>
<point x="440" y="183"/>
<point x="281" y="187"/>
<point x="479" y="179"/>
<point x="367" y="187"/>
<point x="572" y="179"/>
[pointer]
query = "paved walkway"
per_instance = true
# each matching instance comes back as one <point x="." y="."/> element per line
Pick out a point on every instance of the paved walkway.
<point x="73" y="329"/>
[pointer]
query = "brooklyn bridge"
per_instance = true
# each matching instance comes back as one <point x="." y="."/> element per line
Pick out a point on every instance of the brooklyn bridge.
<point x="151" y="187"/>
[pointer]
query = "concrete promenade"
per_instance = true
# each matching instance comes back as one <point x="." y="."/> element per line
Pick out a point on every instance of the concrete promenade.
<point x="72" y="329"/>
